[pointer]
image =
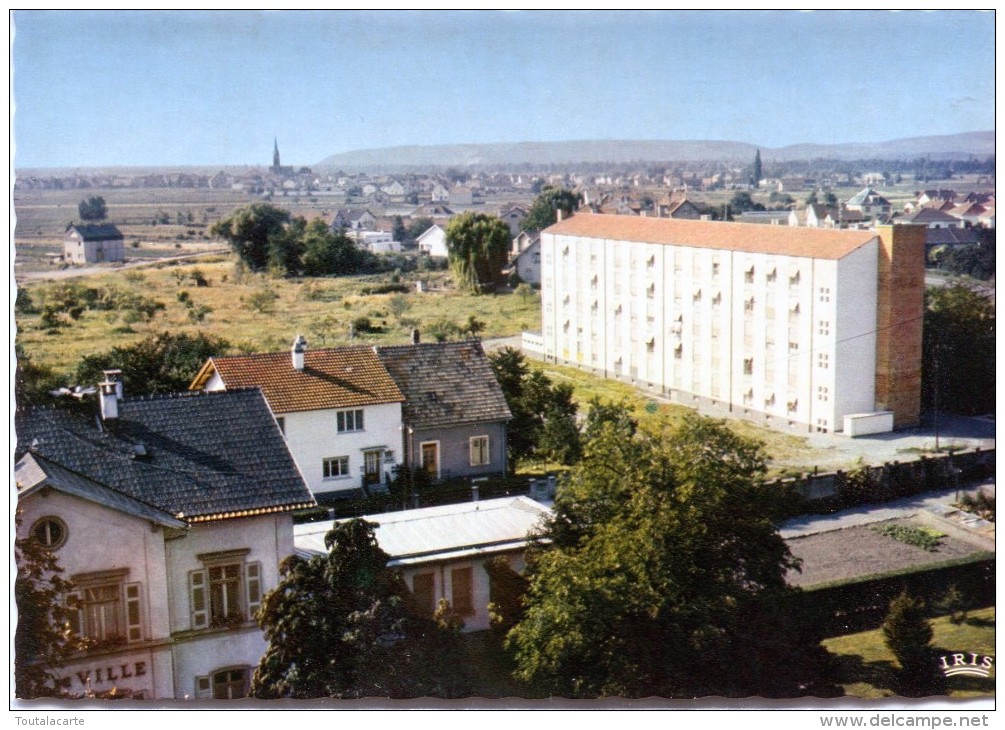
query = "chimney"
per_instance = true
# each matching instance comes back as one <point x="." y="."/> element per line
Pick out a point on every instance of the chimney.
<point x="558" y="215"/>
<point x="415" y="336"/>
<point x="114" y="376"/>
<point x="109" y="399"/>
<point x="299" y="348"/>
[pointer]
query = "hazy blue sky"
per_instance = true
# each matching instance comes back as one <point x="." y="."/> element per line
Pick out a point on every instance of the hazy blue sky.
<point x="210" y="88"/>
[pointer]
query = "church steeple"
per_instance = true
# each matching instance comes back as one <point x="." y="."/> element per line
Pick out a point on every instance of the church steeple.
<point x="275" y="154"/>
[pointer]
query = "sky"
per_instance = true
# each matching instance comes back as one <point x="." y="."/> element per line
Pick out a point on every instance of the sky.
<point x="144" y="88"/>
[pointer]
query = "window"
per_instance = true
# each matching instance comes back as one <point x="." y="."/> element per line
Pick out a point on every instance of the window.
<point x="651" y="291"/>
<point x="715" y="269"/>
<point x="349" y="420"/>
<point x="823" y="394"/>
<point x="825" y="294"/>
<point x="793" y="347"/>
<point x="748" y="305"/>
<point x="794" y="279"/>
<point x="678" y="352"/>
<point x="49" y="532"/>
<point x="772" y="275"/>
<point x="226" y="591"/>
<point x="336" y="467"/>
<point x="225" y="684"/>
<point x="823" y="361"/>
<point x="748" y="275"/>
<point x="651" y="345"/>
<point x="748" y="366"/>
<point x="479" y="448"/>
<point x="423" y="594"/>
<point x="792" y="406"/>
<point x="824" y="328"/>
<point x="106" y="609"/>
<point x="462" y="591"/>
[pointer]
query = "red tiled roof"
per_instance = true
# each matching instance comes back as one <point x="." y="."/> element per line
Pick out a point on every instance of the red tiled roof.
<point x="344" y="377"/>
<point x="747" y="237"/>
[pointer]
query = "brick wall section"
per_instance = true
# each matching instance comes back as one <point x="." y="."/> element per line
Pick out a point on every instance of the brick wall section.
<point x="901" y="294"/>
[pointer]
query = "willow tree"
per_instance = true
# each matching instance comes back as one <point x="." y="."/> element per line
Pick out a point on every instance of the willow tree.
<point x="477" y="247"/>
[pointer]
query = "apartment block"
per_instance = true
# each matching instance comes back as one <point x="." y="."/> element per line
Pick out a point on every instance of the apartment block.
<point x="797" y="328"/>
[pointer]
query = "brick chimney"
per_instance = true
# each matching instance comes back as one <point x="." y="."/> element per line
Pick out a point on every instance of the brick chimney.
<point x="415" y="336"/>
<point x="299" y="348"/>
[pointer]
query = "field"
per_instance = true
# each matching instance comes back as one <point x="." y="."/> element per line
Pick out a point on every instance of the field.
<point x="867" y="669"/>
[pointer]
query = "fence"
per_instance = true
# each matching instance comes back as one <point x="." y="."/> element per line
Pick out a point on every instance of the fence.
<point x="831" y="491"/>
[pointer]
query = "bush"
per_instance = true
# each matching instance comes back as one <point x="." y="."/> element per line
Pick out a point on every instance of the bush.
<point x="364" y="325"/>
<point x="925" y="538"/>
<point x="263" y="301"/>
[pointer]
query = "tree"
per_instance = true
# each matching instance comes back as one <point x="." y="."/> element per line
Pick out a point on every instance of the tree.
<point x="93" y="208"/>
<point x="416" y="227"/>
<point x="908" y="633"/>
<point x="163" y="363"/>
<point x="758" y="170"/>
<point x="544" y="210"/>
<point x="662" y="573"/>
<point x="251" y="231"/>
<point x="42" y="640"/>
<point x="398" y="230"/>
<point x="958" y="351"/>
<point x="543" y="413"/>
<point x="477" y="247"/>
<point x="337" y="626"/>
<point x="327" y="252"/>
<point x="741" y="202"/>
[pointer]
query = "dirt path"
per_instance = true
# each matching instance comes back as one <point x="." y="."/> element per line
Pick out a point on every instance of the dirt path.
<point x="73" y="271"/>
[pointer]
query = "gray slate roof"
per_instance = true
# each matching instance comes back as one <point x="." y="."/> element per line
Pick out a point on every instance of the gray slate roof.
<point x="197" y="455"/>
<point x="93" y="232"/>
<point x="34" y="472"/>
<point x="445" y="383"/>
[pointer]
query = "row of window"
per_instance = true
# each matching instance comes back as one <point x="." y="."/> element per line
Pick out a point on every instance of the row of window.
<point x="337" y="467"/>
<point x="461" y="592"/>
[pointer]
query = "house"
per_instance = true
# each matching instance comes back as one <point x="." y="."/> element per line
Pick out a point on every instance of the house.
<point x="433" y="242"/>
<point x="454" y="416"/>
<point x="764" y="217"/>
<point x="170" y="516"/>
<point x="514" y="216"/>
<point x="678" y="208"/>
<point x="92" y="244"/>
<point x="870" y="203"/>
<point x="440" y="194"/>
<point x="797" y="328"/>
<point x="461" y="195"/>
<point x="442" y="551"/>
<point x="527" y="264"/>
<point x="932" y="218"/>
<point x="338" y="409"/>
<point x="522" y="241"/>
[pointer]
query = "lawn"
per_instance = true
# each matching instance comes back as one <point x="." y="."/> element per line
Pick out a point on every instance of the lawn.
<point x="867" y="669"/>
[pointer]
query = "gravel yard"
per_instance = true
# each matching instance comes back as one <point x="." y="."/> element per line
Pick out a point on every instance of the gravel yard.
<point x="861" y="551"/>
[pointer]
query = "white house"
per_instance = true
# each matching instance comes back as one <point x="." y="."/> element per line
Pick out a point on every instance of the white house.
<point x="170" y="516"/>
<point x="433" y="242"/>
<point x="377" y="241"/>
<point x="88" y="244"/>
<point x="794" y="327"/>
<point x="527" y="263"/>
<point x="441" y="551"/>
<point x="338" y="408"/>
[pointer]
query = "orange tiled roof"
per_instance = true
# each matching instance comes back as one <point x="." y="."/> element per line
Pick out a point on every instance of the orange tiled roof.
<point x="817" y="243"/>
<point x="344" y="377"/>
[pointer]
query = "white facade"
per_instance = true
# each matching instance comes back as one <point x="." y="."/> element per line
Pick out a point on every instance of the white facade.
<point x="756" y="329"/>
<point x="134" y="578"/>
<point x="319" y="440"/>
<point x="433" y="242"/>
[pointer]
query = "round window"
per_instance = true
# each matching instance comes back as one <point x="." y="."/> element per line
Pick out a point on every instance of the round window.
<point x="50" y="531"/>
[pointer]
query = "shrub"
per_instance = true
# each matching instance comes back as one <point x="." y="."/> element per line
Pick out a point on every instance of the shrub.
<point x="925" y="538"/>
<point x="263" y="301"/>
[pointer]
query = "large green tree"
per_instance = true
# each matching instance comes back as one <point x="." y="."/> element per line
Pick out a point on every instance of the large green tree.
<point x="162" y="363"/>
<point x="251" y="232"/>
<point x="544" y="210"/>
<point x="662" y="573"/>
<point x="958" y="352"/>
<point x="544" y="414"/>
<point x="329" y="253"/>
<point x="907" y="633"/>
<point x="42" y="641"/>
<point x="337" y="626"/>
<point x="93" y="208"/>
<point x="477" y="247"/>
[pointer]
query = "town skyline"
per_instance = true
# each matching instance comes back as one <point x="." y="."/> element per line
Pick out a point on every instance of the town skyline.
<point x="344" y="81"/>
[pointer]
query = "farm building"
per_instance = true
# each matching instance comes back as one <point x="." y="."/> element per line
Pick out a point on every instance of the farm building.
<point x="93" y="244"/>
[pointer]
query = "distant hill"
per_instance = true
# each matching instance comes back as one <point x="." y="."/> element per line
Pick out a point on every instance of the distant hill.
<point x="950" y="146"/>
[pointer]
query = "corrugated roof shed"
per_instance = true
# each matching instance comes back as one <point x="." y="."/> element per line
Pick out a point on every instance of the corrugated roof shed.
<point x="444" y="532"/>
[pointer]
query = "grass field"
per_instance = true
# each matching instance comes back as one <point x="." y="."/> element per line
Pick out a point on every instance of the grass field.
<point x="867" y="669"/>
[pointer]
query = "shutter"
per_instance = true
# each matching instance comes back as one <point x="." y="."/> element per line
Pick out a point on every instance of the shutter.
<point x="75" y="613"/>
<point x="253" y="586"/>
<point x="134" y="613"/>
<point x="203" y="688"/>
<point x="199" y="599"/>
